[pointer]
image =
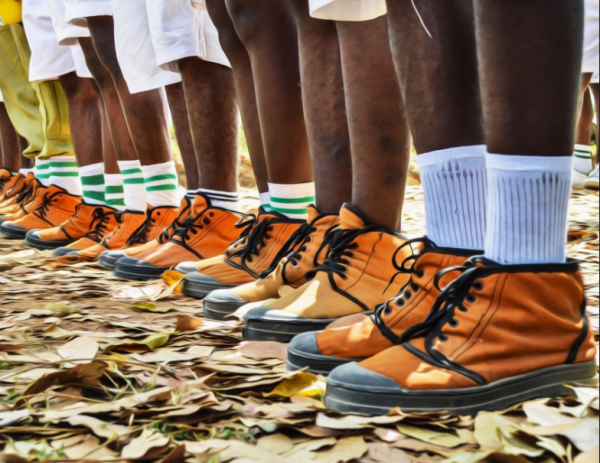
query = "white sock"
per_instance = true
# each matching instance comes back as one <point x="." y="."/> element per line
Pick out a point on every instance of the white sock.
<point x="42" y="172"/>
<point x="93" y="184"/>
<point x="265" y="200"/>
<point x="528" y="208"/>
<point x="292" y="200"/>
<point x="26" y="172"/>
<point x="455" y="186"/>
<point x="583" y="159"/>
<point x="191" y="193"/>
<point x="133" y="185"/>
<point x="114" y="193"/>
<point x="162" y="185"/>
<point x="223" y="199"/>
<point x="64" y="173"/>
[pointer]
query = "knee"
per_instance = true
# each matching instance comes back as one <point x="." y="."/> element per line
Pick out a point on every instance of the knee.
<point x="77" y="88"/>
<point x="247" y="17"/>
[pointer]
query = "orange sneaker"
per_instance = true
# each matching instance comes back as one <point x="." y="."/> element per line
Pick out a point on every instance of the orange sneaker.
<point x="77" y="227"/>
<point x="359" y="274"/>
<point x="306" y="256"/>
<point x="266" y="240"/>
<point x="496" y="336"/>
<point x="57" y="207"/>
<point x="29" y="198"/>
<point x="6" y="176"/>
<point x="10" y="189"/>
<point x="207" y="233"/>
<point x="103" y="226"/>
<point x="109" y="259"/>
<point x="322" y="351"/>
<point x="133" y="229"/>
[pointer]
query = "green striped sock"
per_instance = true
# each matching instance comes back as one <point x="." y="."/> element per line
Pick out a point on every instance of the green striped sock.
<point x="292" y="200"/>
<point x="583" y="159"/>
<point x="42" y="171"/>
<point x="115" y="193"/>
<point x="64" y="173"/>
<point x="133" y="185"/>
<point x="162" y="185"/>
<point x="93" y="184"/>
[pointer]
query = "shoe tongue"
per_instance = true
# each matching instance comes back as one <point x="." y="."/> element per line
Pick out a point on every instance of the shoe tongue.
<point x="313" y="214"/>
<point x="200" y="204"/>
<point x="351" y="218"/>
<point x="5" y="174"/>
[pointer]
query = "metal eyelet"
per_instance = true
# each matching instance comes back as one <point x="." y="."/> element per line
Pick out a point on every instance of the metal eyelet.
<point x="454" y="323"/>
<point x="388" y="311"/>
<point x="407" y="295"/>
<point x="471" y="298"/>
<point x="478" y="286"/>
<point x="400" y="303"/>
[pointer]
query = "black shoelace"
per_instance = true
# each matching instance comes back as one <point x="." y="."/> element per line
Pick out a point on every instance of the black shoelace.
<point x="99" y="225"/>
<point x="341" y="244"/>
<point x="409" y="290"/>
<point x="451" y="299"/>
<point x="48" y="201"/>
<point x="140" y="235"/>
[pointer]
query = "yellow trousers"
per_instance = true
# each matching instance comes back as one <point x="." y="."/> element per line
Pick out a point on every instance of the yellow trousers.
<point x="39" y="110"/>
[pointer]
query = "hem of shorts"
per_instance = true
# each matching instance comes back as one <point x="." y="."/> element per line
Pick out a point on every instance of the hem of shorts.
<point x="48" y="77"/>
<point x="77" y="14"/>
<point x="70" y="40"/>
<point x="319" y="10"/>
<point x="146" y="85"/>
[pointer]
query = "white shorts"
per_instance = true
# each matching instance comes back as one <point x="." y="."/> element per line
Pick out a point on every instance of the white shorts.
<point x="1" y="99"/>
<point x="49" y="60"/>
<point x="135" y="48"/>
<point x="179" y="31"/>
<point x="347" y="10"/>
<point x="591" y="48"/>
<point x="77" y="11"/>
<point x="67" y="34"/>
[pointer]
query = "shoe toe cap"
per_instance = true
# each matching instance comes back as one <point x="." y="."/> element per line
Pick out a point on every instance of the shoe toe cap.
<point x="133" y="262"/>
<point x="306" y="344"/>
<point x="199" y="278"/>
<point x="224" y="296"/>
<point x="187" y="267"/>
<point x="271" y="315"/>
<point x="60" y="252"/>
<point x="356" y="377"/>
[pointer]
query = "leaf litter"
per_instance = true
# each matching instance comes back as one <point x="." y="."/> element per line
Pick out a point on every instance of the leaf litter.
<point x="96" y="369"/>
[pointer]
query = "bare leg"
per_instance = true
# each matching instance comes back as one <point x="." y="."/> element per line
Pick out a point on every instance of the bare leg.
<point x="446" y="114"/>
<point x="145" y="112"/>
<point x="520" y="108"/>
<point x="586" y="119"/>
<point x="212" y="109"/>
<point x="10" y="150"/>
<point x="596" y="92"/>
<point x="324" y="108"/>
<point x="245" y="89"/>
<point x="183" y="133"/>
<point x="122" y="142"/>
<point x="274" y="56"/>
<point x="378" y="130"/>
<point x="85" y="118"/>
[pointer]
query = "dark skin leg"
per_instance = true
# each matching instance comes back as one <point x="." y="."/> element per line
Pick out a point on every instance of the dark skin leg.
<point x="533" y="111"/>
<point x="378" y="130"/>
<point x="245" y="89"/>
<point x="26" y="163"/>
<point x="122" y="142"/>
<point x="586" y="119"/>
<point x="596" y="92"/>
<point x="183" y="133"/>
<point x="108" y="147"/>
<point x="213" y="112"/>
<point x="85" y="118"/>
<point x="447" y="114"/>
<point x="10" y="150"/>
<point x="268" y="32"/>
<point x="324" y="108"/>
<point x="145" y="112"/>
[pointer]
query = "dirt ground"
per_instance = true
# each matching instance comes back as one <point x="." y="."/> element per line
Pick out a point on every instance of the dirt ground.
<point x="93" y="368"/>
